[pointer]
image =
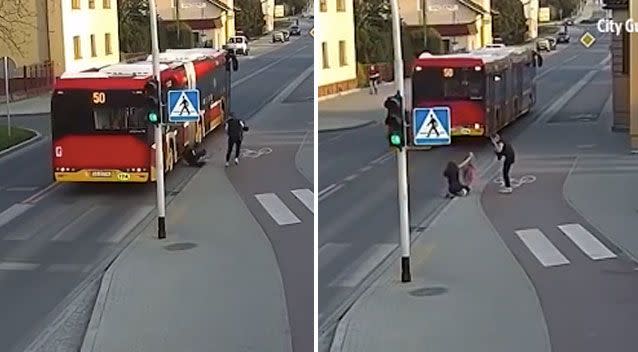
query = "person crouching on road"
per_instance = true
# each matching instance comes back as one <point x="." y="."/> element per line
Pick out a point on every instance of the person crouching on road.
<point x="504" y="151"/>
<point x="235" y="129"/>
<point x="452" y="174"/>
<point x="194" y="158"/>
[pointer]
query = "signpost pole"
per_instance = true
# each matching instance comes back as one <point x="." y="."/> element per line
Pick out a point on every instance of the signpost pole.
<point x="404" y="217"/>
<point x="6" y="92"/>
<point x="159" y="147"/>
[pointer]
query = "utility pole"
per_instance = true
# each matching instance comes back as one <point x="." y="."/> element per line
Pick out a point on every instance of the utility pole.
<point x="159" y="135"/>
<point x="7" y="77"/>
<point x="424" y="22"/>
<point x="402" y="154"/>
<point x="177" y="22"/>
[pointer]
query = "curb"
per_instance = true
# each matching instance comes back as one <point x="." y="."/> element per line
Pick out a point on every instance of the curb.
<point x="22" y="144"/>
<point x="28" y="114"/>
<point x="351" y="127"/>
<point x="90" y="335"/>
<point x="348" y="92"/>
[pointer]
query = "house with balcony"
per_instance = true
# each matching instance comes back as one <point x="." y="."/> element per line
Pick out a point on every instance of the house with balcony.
<point x="336" y="66"/>
<point x="624" y="70"/>
<point x="212" y="21"/>
<point x="462" y="24"/>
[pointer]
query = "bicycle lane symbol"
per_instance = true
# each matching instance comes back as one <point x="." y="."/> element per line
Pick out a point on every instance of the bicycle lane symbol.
<point x="516" y="182"/>
<point x="254" y="154"/>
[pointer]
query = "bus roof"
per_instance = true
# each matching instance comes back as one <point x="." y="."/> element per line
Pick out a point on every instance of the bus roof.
<point x="475" y="57"/>
<point x="134" y="75"/>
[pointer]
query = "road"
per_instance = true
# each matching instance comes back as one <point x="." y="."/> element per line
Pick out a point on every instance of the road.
<point x="55" y="237"/>
<point x="358" y="226"/>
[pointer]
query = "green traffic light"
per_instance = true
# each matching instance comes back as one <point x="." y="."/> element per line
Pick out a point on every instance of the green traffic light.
<point x="152" y="117"/>
<point x="395" y="139"/>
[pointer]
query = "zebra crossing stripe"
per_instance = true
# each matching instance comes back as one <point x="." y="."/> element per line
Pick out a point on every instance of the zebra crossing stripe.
<point x="306" y="197"/>
<point x="277" y="209"/>
<point x="587" y="242"/>
<point x="541" y="247"/>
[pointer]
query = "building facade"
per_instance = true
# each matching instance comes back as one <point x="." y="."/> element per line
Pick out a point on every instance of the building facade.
<point x="336" y="62"/>
<point x="462" y="24"/>
<point x="212" y="21"/>
<point x="530" y="10"/>
<point x="83" y="34"/>
<point x="268" y="9"/>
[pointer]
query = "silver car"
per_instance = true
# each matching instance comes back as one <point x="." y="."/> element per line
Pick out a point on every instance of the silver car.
<point x="278" y="37"/>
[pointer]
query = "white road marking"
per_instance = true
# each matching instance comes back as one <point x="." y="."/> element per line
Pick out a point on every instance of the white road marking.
<point x="21" y="189"/>
<point x="13" y="212"/>
<point x="306" y="197"/>
<point x="41" y="194"/>
<point x="29" y="229"/>
<point x="17" y="266"/>
<point x="381" y="159"/>
<point x="329" y="193"/>
<point x="133" y="221"/>
<point x="357" y="271"/>
<point x="68" y="268"/>
<point x="327" y="189"/>
<point x="587" y="242"/>
<point x="541" y="247"/>
<point x="64" y="235"/>
<point x="366" y="168"/>
<point x="329" y="251"/>
<point x="277" y="209"/>
<point x="351" y="177"/>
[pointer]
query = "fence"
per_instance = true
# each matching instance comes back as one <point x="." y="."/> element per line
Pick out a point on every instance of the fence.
<point x="29" y="81"/>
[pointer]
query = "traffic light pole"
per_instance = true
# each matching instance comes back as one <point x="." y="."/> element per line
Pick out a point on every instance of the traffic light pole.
<point x="402" y="157"/>
<point x="159" y="147"/>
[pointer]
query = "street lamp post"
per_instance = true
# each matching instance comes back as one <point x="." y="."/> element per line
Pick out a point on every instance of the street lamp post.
<point x="159" y="147"/>
<point x="402" y="157"/>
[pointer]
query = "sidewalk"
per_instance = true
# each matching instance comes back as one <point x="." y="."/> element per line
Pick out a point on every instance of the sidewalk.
<point x="212" y="285"/>
<point x="31" y="106"/>
<point x="468" y="294"/>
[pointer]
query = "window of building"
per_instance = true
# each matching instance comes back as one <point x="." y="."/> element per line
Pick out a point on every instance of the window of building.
<point x="323" y="5"/>
<point x="106" y="4"/>
<point x="625" y="52"/>
<point x="77" y="48"/>
<point x="341" y="5"/>
<point x="107" y="44"/>
<point x="343" y="59"/>
<point x="324" y="52"/>
<point x="93" y="49"/>
<point x="91" y="4"/>
<point x="75" y="4"/>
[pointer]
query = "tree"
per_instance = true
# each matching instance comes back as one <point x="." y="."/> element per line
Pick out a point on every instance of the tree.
<point x="250" y="18"/>
<point x="16" y="23"/>
<point x="510" y="24"/>
<point x="134" y="23"/>
<point x="373" y="31"/>
<point x="296" y="6"/>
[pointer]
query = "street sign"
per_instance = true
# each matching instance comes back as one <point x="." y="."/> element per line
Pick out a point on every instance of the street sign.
<point x="431" y="126"/>
<point x="183" y="105"/>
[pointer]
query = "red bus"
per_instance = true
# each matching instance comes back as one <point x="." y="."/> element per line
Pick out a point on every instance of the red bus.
<point x="485" y="89"/>
<point x="98" y="117"/>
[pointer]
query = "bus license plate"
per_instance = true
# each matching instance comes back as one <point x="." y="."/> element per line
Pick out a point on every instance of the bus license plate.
<point x="101" y="173"/>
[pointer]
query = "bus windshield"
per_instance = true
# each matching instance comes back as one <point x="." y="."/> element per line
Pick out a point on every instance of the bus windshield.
<point x="114" y="112"/>
<point x="436" y="83"/>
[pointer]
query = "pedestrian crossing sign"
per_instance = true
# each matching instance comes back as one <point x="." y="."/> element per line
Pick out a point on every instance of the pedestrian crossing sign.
<point x="183" y="105"/>
<point x="431" y="126"/>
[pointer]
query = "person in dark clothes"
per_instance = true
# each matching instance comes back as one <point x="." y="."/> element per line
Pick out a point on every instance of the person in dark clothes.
<point x="452" y="174"/>
<point x="506" y="152"/>
<point x="194" y="158"/>
<point x="235" y="129"/>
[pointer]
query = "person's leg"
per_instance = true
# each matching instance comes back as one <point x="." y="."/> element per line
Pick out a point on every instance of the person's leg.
<point x="238" y="148"/>
<point x="371" y="86"/>
<point x="229" y="149"/>
<point x="506" y="176"/>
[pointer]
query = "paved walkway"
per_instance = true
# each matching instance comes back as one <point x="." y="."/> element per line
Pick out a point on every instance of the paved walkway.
<point x="213" y="284"/>
<point x="40" y="104"/>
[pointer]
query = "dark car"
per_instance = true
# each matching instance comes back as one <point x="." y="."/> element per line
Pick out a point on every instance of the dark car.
<point x="294" y="30"/>
<point x="563" y="37"/>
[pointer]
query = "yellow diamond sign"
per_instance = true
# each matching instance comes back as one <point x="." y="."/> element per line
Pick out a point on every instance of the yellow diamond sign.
<point x="587" y="39"/>
<point x="312" y="32"/>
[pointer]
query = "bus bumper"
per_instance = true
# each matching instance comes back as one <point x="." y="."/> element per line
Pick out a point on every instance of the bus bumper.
<point x="466" y="131"/>
<point x="102" y="176"/>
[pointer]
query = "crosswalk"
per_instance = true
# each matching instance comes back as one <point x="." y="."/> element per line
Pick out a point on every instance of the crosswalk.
<point x="281" y="213"/>
<point x="548" y="254"/>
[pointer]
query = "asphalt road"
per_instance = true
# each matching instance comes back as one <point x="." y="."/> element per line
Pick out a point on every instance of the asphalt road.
<point x="54" y="235"/>
<point x="358" y="222"/>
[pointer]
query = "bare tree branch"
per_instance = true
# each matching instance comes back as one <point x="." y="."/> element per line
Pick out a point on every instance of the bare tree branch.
<point x="16" y="23"/>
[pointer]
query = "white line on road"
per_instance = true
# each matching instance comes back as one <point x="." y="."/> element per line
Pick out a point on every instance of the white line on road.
<point x="329" y="193"/>
<point x="357" y="271"/>
<point x="327" y="189"/>
<point x="560" y="102"/>
<point x="329" y="251"/>
<point x="29" y="229"/>
<point x="64" y="235"/>
<point x="381" y="159"/>
<point x="68" y="268"/>
<point x="587" y="242"/>
<point x="277" y="209"/>
<point x="36" y="197"/>
<point x="366" y="168"/>
<point x="13" y="212"/>
<point x="541" y="247"/>
<point x="253" y="74"/>
<point x="133" y="221"/>
<point x="306" y="197"/>
<point x="17" y="266"/>
<point x="351" y="177"/>
<point x="21" y="189"/>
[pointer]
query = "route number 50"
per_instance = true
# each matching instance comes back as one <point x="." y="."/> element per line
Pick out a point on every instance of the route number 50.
<point x="99" y="98"/>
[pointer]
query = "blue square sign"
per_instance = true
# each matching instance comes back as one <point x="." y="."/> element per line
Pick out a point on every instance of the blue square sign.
<point x="183" y="105"/>
<point x="431" y="126"/>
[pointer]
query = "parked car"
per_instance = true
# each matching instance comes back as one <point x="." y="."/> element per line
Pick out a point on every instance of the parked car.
<point x="552" y="43"/>
<point x="563" y="37"/>
<point x="238" y="45"/>
<point x="294" y="30"/>
<point x="286" y="35"/>
<point x="569" y="22"/>
<point x="547" y="44"/>
<point x="278" y="36"/>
